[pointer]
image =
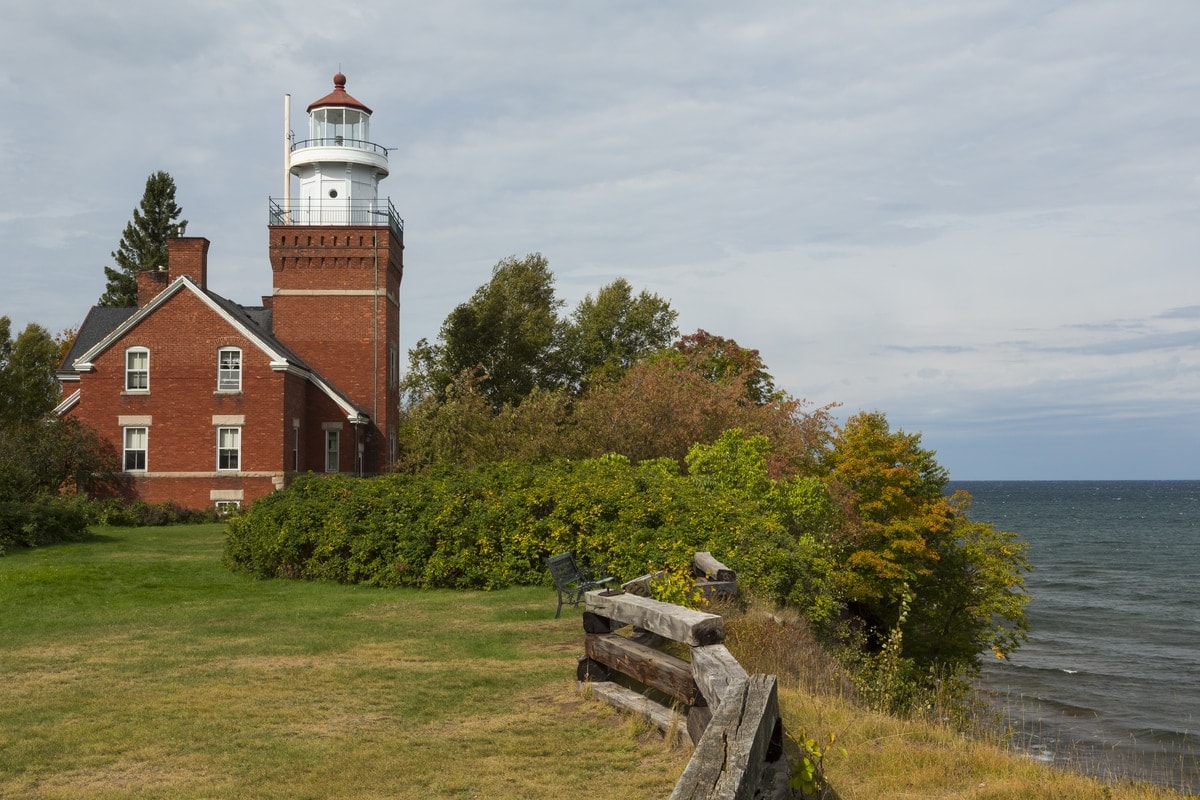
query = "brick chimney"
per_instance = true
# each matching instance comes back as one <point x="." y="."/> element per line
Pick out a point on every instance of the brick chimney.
<point x="188" y="255"/>
<point x="150" y="283"/>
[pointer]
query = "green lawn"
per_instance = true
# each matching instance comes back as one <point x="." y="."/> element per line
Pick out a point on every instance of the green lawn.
<point x="134" y="664"/>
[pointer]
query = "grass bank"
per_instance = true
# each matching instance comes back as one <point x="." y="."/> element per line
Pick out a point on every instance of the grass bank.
<point x="877" y="756"/>
<point x="135" y="665"/>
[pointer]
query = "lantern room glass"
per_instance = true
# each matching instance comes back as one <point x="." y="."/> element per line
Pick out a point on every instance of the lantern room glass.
<point x="338" y="125"/>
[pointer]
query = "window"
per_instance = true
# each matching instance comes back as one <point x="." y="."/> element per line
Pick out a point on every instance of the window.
<point x="295" y="448"/>
<point x="332" y="445"/>
<point x="341" y="125"/>
<point x="137" y="369"/>
<point x="135" y="450"/>
<point x="227" y="507"/>
<point x="229" y="369"/>
<point x="229" y="448"/>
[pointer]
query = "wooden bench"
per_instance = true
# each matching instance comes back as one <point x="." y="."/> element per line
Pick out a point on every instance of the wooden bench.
<point x="571" y="582"/>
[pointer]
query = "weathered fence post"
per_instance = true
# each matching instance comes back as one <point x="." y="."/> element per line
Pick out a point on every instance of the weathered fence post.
<point x="732" y="718"/>
<point x="745" y="735"/>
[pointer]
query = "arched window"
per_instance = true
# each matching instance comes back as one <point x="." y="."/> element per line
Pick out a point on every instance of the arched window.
<point x="229" y="369"/>
<point x="137" y="369"/>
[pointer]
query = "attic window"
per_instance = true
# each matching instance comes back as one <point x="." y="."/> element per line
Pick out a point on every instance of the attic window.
<point x="137" y="369"/>
<point x="229" y="369"/>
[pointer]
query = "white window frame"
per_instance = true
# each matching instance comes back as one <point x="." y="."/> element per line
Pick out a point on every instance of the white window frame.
<point x="229" y="379"/>
<point x="222" y="451"/>
<point x="126" y="450"/>
<point x="140" y="375"/>
<point x="333" y="448"/>
<point x="226" y="507"/>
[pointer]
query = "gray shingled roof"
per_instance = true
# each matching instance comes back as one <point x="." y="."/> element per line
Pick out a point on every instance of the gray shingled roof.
<point x="99" y="322"/>
<point x="260" y="317"/>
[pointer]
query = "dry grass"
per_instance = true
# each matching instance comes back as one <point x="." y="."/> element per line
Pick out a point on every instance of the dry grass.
<point x="885" y="757"/>
<point x="876" y="756"/>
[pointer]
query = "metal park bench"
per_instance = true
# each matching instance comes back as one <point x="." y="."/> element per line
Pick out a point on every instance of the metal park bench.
<point x="571" y="582"/>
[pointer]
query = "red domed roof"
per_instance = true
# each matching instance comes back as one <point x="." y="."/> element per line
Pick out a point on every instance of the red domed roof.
<point x="338" y="97"/>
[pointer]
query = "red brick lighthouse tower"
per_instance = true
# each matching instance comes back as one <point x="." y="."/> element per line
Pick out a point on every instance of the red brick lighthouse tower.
<point x="336" y="254"/>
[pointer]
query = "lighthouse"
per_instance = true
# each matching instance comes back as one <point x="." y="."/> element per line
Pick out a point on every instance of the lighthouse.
<point x="337" y="260"/>
<point x="338" y="165"/>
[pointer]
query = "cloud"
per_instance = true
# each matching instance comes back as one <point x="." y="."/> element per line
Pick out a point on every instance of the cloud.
<point x="972" y="216"/>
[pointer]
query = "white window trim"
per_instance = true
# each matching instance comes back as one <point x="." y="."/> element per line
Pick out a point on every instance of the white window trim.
<point x="226" y="507"/>
<point x="128" y="372"/>
<point x="144" y="450"/>
<point x="333" y="435"/>
<point x="221" y="371"/>
<point x="238" y="449"/>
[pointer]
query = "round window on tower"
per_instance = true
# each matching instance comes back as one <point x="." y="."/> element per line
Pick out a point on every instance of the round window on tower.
<point x="333" y="193"/>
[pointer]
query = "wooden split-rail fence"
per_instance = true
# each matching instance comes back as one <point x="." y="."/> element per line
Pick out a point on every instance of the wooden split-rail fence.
<point x="731" y="717"/>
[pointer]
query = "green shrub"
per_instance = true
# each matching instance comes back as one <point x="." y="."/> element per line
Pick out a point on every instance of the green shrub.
<point x="808" y="542"/>
<point x="491" y="527"/>
<point x="42" y="519"/>
<point x="140" y="514"/>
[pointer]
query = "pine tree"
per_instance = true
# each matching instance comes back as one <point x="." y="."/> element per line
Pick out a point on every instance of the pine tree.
<point x="144" y="244"/>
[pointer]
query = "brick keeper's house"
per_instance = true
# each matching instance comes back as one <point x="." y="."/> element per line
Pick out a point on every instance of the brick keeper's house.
<point x="212" y="403"/>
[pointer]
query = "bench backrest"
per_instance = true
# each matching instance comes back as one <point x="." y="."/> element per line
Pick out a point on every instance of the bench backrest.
<point x="563" y="569"/>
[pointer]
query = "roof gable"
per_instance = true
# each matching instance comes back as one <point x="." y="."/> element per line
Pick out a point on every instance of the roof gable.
<point x="83" y="362"/>
<point x="245" y="323"/>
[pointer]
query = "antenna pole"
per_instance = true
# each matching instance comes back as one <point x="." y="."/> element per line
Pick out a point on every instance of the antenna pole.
<point x="287" y="156"/>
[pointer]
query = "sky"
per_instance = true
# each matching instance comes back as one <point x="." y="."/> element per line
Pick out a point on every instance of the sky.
<point x="978" y="218"/>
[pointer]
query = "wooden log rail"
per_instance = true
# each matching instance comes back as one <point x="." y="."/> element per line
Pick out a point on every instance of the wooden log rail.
<point x="742" y="748"/>
<point x="713" y="578"/>
<point x="732" y="718"/>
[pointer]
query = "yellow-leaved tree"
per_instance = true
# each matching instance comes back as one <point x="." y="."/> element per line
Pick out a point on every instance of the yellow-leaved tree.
<point x="911" y="559"/>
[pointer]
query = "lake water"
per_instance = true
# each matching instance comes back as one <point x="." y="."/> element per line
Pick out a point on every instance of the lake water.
<point x="1109" y="682"/>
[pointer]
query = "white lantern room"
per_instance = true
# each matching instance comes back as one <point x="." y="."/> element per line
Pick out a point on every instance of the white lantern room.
<point x="338" y="166"/>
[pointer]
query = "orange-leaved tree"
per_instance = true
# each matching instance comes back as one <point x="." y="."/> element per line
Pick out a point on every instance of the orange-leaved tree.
<point x="911" y="559"/>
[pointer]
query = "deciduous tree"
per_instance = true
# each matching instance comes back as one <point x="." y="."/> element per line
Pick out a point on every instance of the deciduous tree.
<point x="724" y="360"/>
<point x="900" y="513"/>
<point x="609" y="333"/>
<point x="974" y="600"/>
<point x="28" y="388"/>
<point x="43" y="459"/>
<point x="905" y="543"/>
<point x="507" y="335"/>
<point x="461" y="428"/>
<point x="662" y="406"/>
